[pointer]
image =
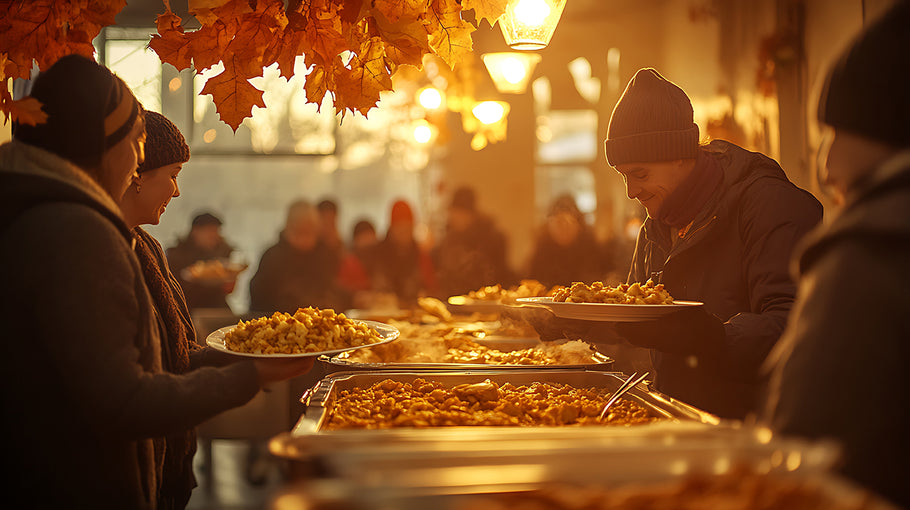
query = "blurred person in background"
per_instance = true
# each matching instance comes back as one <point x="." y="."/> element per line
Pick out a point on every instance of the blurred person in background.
<point x="74" y="288"/>
<point x="566" y="250"/>
<point x="203" y="243"/>
<point x="398" y="264"/>
<point x="850" y="314"/>
<point x="352" y="275"/>
<point x="299" y="270"/>
<point x="328" y="228"/>
<point x="473" y="251"/>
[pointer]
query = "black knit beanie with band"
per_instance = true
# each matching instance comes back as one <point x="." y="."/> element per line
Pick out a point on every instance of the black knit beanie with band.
<point x="867" y="90"/>
<point x="89" y="110"/>
<point x="652" y="121"/>
<point x="164" y="144"/>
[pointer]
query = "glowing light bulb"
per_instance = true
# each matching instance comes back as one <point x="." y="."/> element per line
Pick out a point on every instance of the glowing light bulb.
<point x="532" y="12"/>
<point x="489" y="112"/>
<point x="513" y="70"/>
<point x="430" y="98"/>
<point x="422" y="132"/>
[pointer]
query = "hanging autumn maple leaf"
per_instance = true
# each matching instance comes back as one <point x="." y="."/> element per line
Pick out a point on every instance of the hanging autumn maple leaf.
<point x="351" y="48"/>
<point x="40" y="32"/>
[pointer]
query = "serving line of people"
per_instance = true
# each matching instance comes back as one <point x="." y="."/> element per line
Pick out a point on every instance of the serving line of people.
<point x="99" y="333"/>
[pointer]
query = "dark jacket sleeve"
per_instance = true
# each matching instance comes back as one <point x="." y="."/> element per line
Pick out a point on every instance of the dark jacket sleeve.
<point x="774" y="217"/>
<point x="849" y="326"/>
<point x="99" y="341"/>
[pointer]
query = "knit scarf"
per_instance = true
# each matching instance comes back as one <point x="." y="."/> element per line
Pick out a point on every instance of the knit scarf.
<point x="177" y="479"/>
<point x="177" y="351"/>
<point x="684" y="204"/>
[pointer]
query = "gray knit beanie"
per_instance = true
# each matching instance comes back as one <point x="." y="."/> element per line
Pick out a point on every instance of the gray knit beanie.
<point x="652" y="121"/>
<point x="164" y="144"/>
<point x="867" y="92"/>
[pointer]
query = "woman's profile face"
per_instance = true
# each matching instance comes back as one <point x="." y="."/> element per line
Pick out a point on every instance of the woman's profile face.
<point x="119" y="163"/>
<point x="145" y="201"/>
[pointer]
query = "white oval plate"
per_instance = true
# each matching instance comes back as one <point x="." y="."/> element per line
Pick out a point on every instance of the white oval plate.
<point x="216" y="341"/>
<point x="608" y="312"/>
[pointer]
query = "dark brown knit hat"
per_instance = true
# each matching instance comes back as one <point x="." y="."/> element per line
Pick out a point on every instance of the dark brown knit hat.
<point x="867" y="90"/>
<point x="652" y="121"/>
<point x="164" y="145"/>
<point x="89" y="110"/>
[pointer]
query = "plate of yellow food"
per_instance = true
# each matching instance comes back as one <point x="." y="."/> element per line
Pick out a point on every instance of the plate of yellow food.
<point x="307" y="332"/>
<point x="600" y="302"/>
<point x="214" y="271"/>
<point x="492" y="298"/>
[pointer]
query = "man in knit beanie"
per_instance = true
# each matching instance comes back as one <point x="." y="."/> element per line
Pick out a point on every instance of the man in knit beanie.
<point x="722" y="224"/>
<point x="838" y="327"/>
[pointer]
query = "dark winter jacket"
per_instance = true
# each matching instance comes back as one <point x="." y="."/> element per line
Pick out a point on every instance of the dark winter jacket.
<point x="198" y="294"/>
<point x="404" y="271"/>
<point x="288" y="279"/>
<point x="849" y="325"/>
<point x="582" y="261"/>
<point x="469" y="260"/>
<point x="85" y="398"/>
<point x="734" y="259"/>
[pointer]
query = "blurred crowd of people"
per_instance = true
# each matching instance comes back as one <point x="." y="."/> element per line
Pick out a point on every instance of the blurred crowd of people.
<point x="312" y="264"/>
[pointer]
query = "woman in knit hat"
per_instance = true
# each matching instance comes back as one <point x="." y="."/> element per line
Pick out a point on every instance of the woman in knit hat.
<point x="87" y="399"/>
<point x="851" y="313"/>
<point x="722" y="225"/>
<point x="143" y="203"/>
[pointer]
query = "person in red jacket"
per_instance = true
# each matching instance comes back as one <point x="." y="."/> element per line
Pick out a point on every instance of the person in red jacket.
<point x="398" y="264"/>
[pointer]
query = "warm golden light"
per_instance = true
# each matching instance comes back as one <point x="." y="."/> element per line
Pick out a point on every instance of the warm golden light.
<point x="423" y="132"/>
<point x="511" y="71"/>
<point x="490" y="112"/>
<point x="175" y="84"/>
<point x="532" y="12"/>
<point x="529" y="24"/>
<point x="430" y="98"/>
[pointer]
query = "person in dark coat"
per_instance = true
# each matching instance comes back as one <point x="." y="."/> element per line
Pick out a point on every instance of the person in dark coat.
<point x="352" y="275"/>
<point x="472" y="254"/>
<point x="299" y="270"/>
<point x="87" y="402"/>
<point x="397" y="264"/>
<point x="849" y="322"/>
<point x="204" y="242"/>
<point x="722" y="225"/>
<point x="566" y="250"/>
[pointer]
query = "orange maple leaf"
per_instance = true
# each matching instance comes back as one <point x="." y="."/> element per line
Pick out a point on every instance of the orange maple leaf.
<point x="170" y="43"/>
<point x="450" y="35"/>
<point x="406" y="40"/>
<point x="394" y="10"/>
<point x="233" y="94"/>
<point x="490" y="10"/>
<point x="26" y="111"/>
<point x="368" y="75"/>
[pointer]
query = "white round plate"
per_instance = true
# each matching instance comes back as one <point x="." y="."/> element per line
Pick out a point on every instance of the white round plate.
<point x="216" y="341"/>
<point x="607" y="312"/>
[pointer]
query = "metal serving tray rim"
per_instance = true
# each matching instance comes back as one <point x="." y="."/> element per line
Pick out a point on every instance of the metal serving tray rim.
<point x="599" y="360"/>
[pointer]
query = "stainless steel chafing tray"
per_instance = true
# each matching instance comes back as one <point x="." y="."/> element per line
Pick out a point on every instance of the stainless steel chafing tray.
<point x="404" y="478"/>
<point x="505" y="344"/>
<point x="309" y="439"/>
